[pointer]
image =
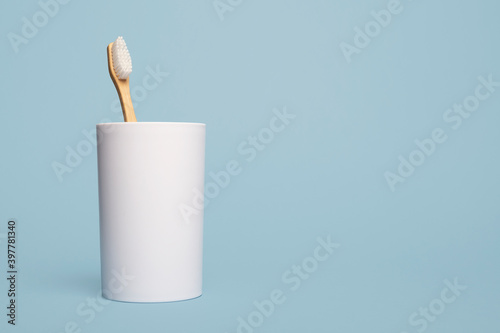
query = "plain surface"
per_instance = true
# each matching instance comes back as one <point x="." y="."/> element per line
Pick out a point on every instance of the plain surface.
<point x="322" y="175"/>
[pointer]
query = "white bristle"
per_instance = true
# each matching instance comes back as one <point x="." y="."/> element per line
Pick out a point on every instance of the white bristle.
<point x="122" y="63"/>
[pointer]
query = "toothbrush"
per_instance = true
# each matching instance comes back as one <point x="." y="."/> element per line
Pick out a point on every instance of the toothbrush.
<point x="120" y="67"/>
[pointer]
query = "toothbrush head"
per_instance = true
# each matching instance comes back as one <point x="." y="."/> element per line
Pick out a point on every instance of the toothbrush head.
<point x="122" y="63"/>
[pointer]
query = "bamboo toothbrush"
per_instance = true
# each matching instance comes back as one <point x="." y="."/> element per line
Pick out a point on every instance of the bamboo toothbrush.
<point x="120" y="67"/>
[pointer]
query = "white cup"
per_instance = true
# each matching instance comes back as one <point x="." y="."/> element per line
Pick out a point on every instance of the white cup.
<point x="147" y="172"/>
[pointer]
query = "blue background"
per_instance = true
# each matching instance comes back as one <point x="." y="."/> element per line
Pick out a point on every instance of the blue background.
<point x="323" y="175"/>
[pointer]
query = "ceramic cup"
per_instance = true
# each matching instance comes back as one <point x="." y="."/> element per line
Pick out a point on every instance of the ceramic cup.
<point x="151" y="228"/>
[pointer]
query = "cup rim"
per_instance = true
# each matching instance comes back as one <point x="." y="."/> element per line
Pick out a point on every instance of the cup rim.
<point x="170" y="123"/>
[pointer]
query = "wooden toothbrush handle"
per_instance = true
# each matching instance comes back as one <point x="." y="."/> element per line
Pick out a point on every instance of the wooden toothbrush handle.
<point x="126" y="100"/>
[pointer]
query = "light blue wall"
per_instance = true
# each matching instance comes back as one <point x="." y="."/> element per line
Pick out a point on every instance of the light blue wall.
<point x="359" y="107"/>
